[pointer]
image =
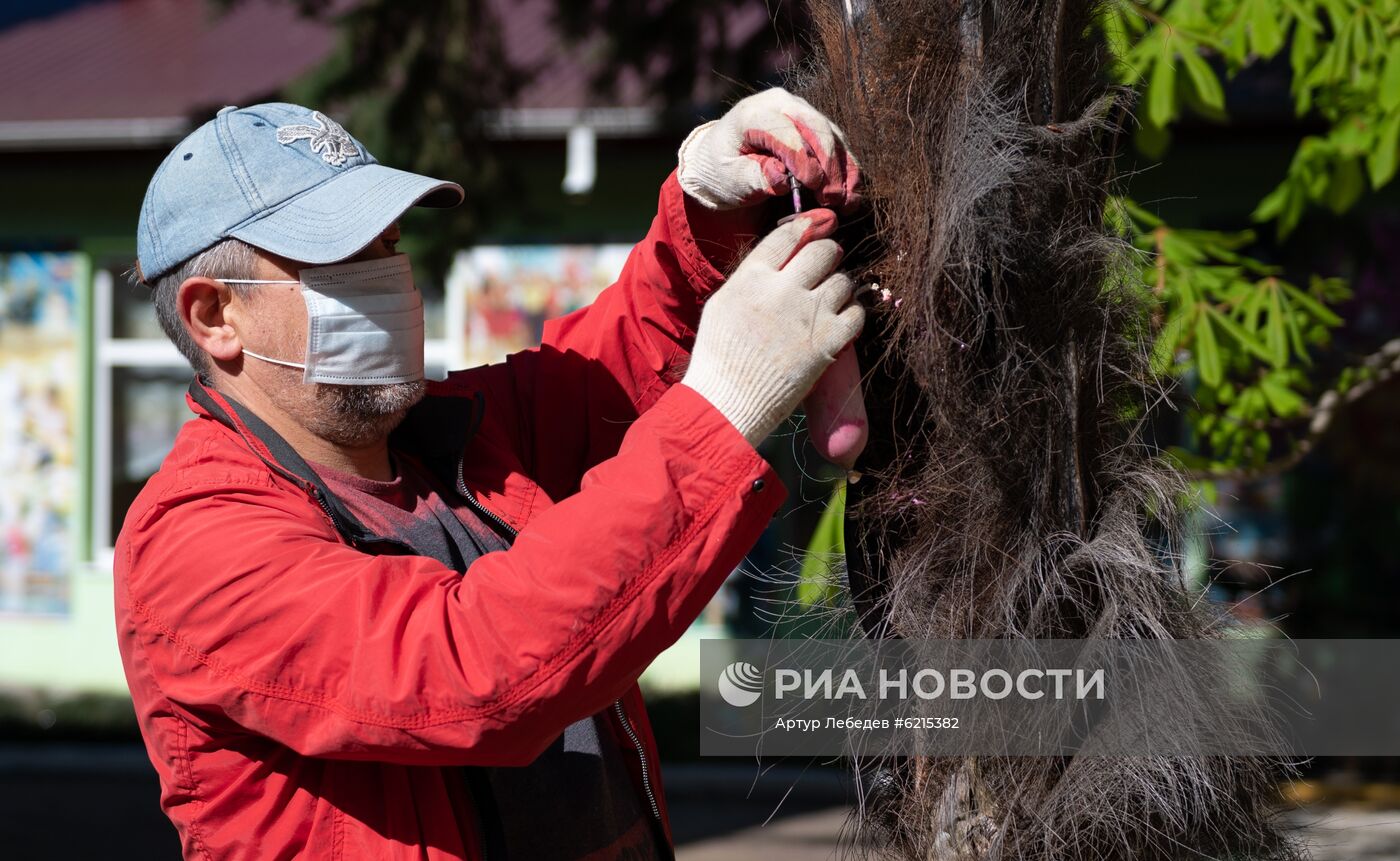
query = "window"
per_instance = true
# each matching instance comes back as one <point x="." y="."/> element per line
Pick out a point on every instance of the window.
<point x="139" y="379"/>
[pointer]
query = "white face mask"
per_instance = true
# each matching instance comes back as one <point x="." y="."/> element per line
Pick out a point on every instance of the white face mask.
<point x="364" y="323"/>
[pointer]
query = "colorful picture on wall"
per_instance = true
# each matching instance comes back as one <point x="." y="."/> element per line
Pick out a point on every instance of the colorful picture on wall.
<point x="39" y="385"/>
<point x="498" y="297"/>
<point x="40" y="382"/>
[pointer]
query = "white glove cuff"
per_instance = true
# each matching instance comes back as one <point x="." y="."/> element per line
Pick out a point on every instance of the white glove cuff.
<point x="754" y="409"/>
<point x="694" y="171"/>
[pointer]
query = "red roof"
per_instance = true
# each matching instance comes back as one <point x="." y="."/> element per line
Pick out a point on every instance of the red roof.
<point x="130" y="59"/>
<point x="138" y="70"/>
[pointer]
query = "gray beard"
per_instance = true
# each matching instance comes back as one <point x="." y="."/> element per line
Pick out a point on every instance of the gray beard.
<point x="360" y="415"/>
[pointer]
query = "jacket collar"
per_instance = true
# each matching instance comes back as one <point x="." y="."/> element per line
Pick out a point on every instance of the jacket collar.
<point x="436" y="430"/>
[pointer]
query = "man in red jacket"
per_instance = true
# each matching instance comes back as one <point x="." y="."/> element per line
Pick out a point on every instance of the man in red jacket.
<point x="362" y="616"/>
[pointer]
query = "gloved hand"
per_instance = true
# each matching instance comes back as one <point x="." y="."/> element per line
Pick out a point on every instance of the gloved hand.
<point x="745" y="157"/>
<point x="767" y="333"/>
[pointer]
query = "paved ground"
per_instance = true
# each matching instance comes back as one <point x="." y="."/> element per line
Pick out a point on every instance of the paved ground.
<point x="809" y="837"/>
<point x="1332" y="834"/>
<point x="101" y="802"/>
<point x="1350" y="834"/>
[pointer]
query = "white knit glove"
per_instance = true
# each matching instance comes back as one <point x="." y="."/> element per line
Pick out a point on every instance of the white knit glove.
<point x="746" y="156"/>
<point x="767" y="334"/>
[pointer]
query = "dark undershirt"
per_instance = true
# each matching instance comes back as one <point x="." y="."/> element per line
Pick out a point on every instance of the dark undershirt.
<point x="576" y="801"/>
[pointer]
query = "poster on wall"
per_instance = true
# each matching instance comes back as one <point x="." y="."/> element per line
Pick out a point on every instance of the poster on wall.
<point x="40" y="383"/>
<point x="498" y="296"/>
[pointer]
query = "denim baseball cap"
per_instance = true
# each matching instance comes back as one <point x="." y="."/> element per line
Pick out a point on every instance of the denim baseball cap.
<point x="280" y="177"/>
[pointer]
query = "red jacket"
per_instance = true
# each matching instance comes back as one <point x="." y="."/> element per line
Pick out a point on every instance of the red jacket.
<point x="300" y="697"/>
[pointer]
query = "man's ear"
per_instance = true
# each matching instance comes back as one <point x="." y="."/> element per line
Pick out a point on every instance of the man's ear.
<point x="204" y="303"/>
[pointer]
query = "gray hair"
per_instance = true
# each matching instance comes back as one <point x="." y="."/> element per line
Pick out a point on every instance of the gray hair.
<point x="230" y="258"/>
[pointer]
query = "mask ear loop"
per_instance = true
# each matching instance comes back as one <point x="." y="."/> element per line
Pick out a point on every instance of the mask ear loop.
<point x="301" y="366"/>
<point x="298" y="365"/>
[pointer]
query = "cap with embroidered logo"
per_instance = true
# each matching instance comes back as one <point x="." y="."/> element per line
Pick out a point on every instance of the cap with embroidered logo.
<point x="280" y="177"/>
